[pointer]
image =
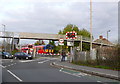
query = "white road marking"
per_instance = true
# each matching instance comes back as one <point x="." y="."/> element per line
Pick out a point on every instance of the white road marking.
<point x="82" y="74"/>
<point x="12" y="64"/>
<point x="3" y="66"/>
<point x="52" y="58"/>
<point x="9" y="65"/>
<point x="44" y="61"/>
<point x="14" y="75"/>
<point x="89" y="70"/>
<point x="69" y="73"/>
<point x="11" y="61"/>
<point x="76" y="74"/>
<point x="27" y="61"/>
<point x="51" y="64"/>
<point x="99" y="81"/>
<point x="47" y="59"/>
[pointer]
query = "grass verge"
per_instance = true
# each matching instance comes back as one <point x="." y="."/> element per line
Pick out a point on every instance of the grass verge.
<point x="96" y="66"/>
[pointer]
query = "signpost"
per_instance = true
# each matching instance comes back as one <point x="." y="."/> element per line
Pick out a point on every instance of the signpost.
<point x="70" y="36"/>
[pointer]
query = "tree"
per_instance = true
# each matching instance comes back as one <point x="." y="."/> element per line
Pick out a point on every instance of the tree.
<point x="86" y="46"/>
<point x="69" y="28"/>
<point x="41" y="42"/>
<point x="84" y="33"/>
<point x="76" y="29"/>
<point x="7" y="42"/>
<point x="37" y="43"/>
<point x="60" y="32"/>
<point x="52" y="43"/>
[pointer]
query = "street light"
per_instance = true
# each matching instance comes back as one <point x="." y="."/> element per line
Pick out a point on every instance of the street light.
<point x="107" y="33"/>
<point x="4" y="37"/>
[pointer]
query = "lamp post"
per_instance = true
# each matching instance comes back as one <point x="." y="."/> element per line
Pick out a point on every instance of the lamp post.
<point x="107" y="33"/>
<point x="4" y="37"/>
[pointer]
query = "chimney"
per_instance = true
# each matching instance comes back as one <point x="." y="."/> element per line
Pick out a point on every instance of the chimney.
<point x="104" y="38"/>
<point x="101" y="37"/>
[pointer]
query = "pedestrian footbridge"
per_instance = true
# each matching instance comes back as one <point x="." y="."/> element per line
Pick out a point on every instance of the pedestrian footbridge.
<point x="43" y="36"/>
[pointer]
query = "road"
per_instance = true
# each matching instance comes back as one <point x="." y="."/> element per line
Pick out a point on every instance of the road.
<point x="40" y="70"/>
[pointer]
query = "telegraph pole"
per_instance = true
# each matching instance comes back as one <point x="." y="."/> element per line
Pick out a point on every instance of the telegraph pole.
<point x="90" y="24"/>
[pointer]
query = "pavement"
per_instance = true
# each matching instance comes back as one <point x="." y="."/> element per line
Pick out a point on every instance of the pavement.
<point x="89" y="70"/>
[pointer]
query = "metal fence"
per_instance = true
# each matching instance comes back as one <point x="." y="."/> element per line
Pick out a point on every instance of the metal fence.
<point x="104" y="56"/>
<point x="81" y="56"/>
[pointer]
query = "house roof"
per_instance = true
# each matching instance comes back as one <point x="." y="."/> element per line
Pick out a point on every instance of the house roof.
<point x="103" y="40"/>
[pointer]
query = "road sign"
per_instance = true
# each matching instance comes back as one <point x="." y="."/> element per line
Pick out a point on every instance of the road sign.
<point x="71" y="35"/>
<point x="70" y="43"/>
<point x="61" y="41"/>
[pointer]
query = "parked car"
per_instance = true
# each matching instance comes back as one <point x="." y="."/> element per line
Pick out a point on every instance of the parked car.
<point x="22" y="55"/>
<point x="6" y="55"/>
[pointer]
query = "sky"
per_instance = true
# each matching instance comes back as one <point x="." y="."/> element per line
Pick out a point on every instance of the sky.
<point x="50" y="16"/>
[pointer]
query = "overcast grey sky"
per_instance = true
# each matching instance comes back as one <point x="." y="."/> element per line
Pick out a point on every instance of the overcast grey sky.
<point x="50" y="16"/>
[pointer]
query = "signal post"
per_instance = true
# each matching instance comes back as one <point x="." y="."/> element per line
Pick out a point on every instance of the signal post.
<point x="70" y="36"/>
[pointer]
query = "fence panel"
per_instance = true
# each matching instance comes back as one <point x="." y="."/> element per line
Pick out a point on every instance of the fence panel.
<point x="103" y="56"/>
